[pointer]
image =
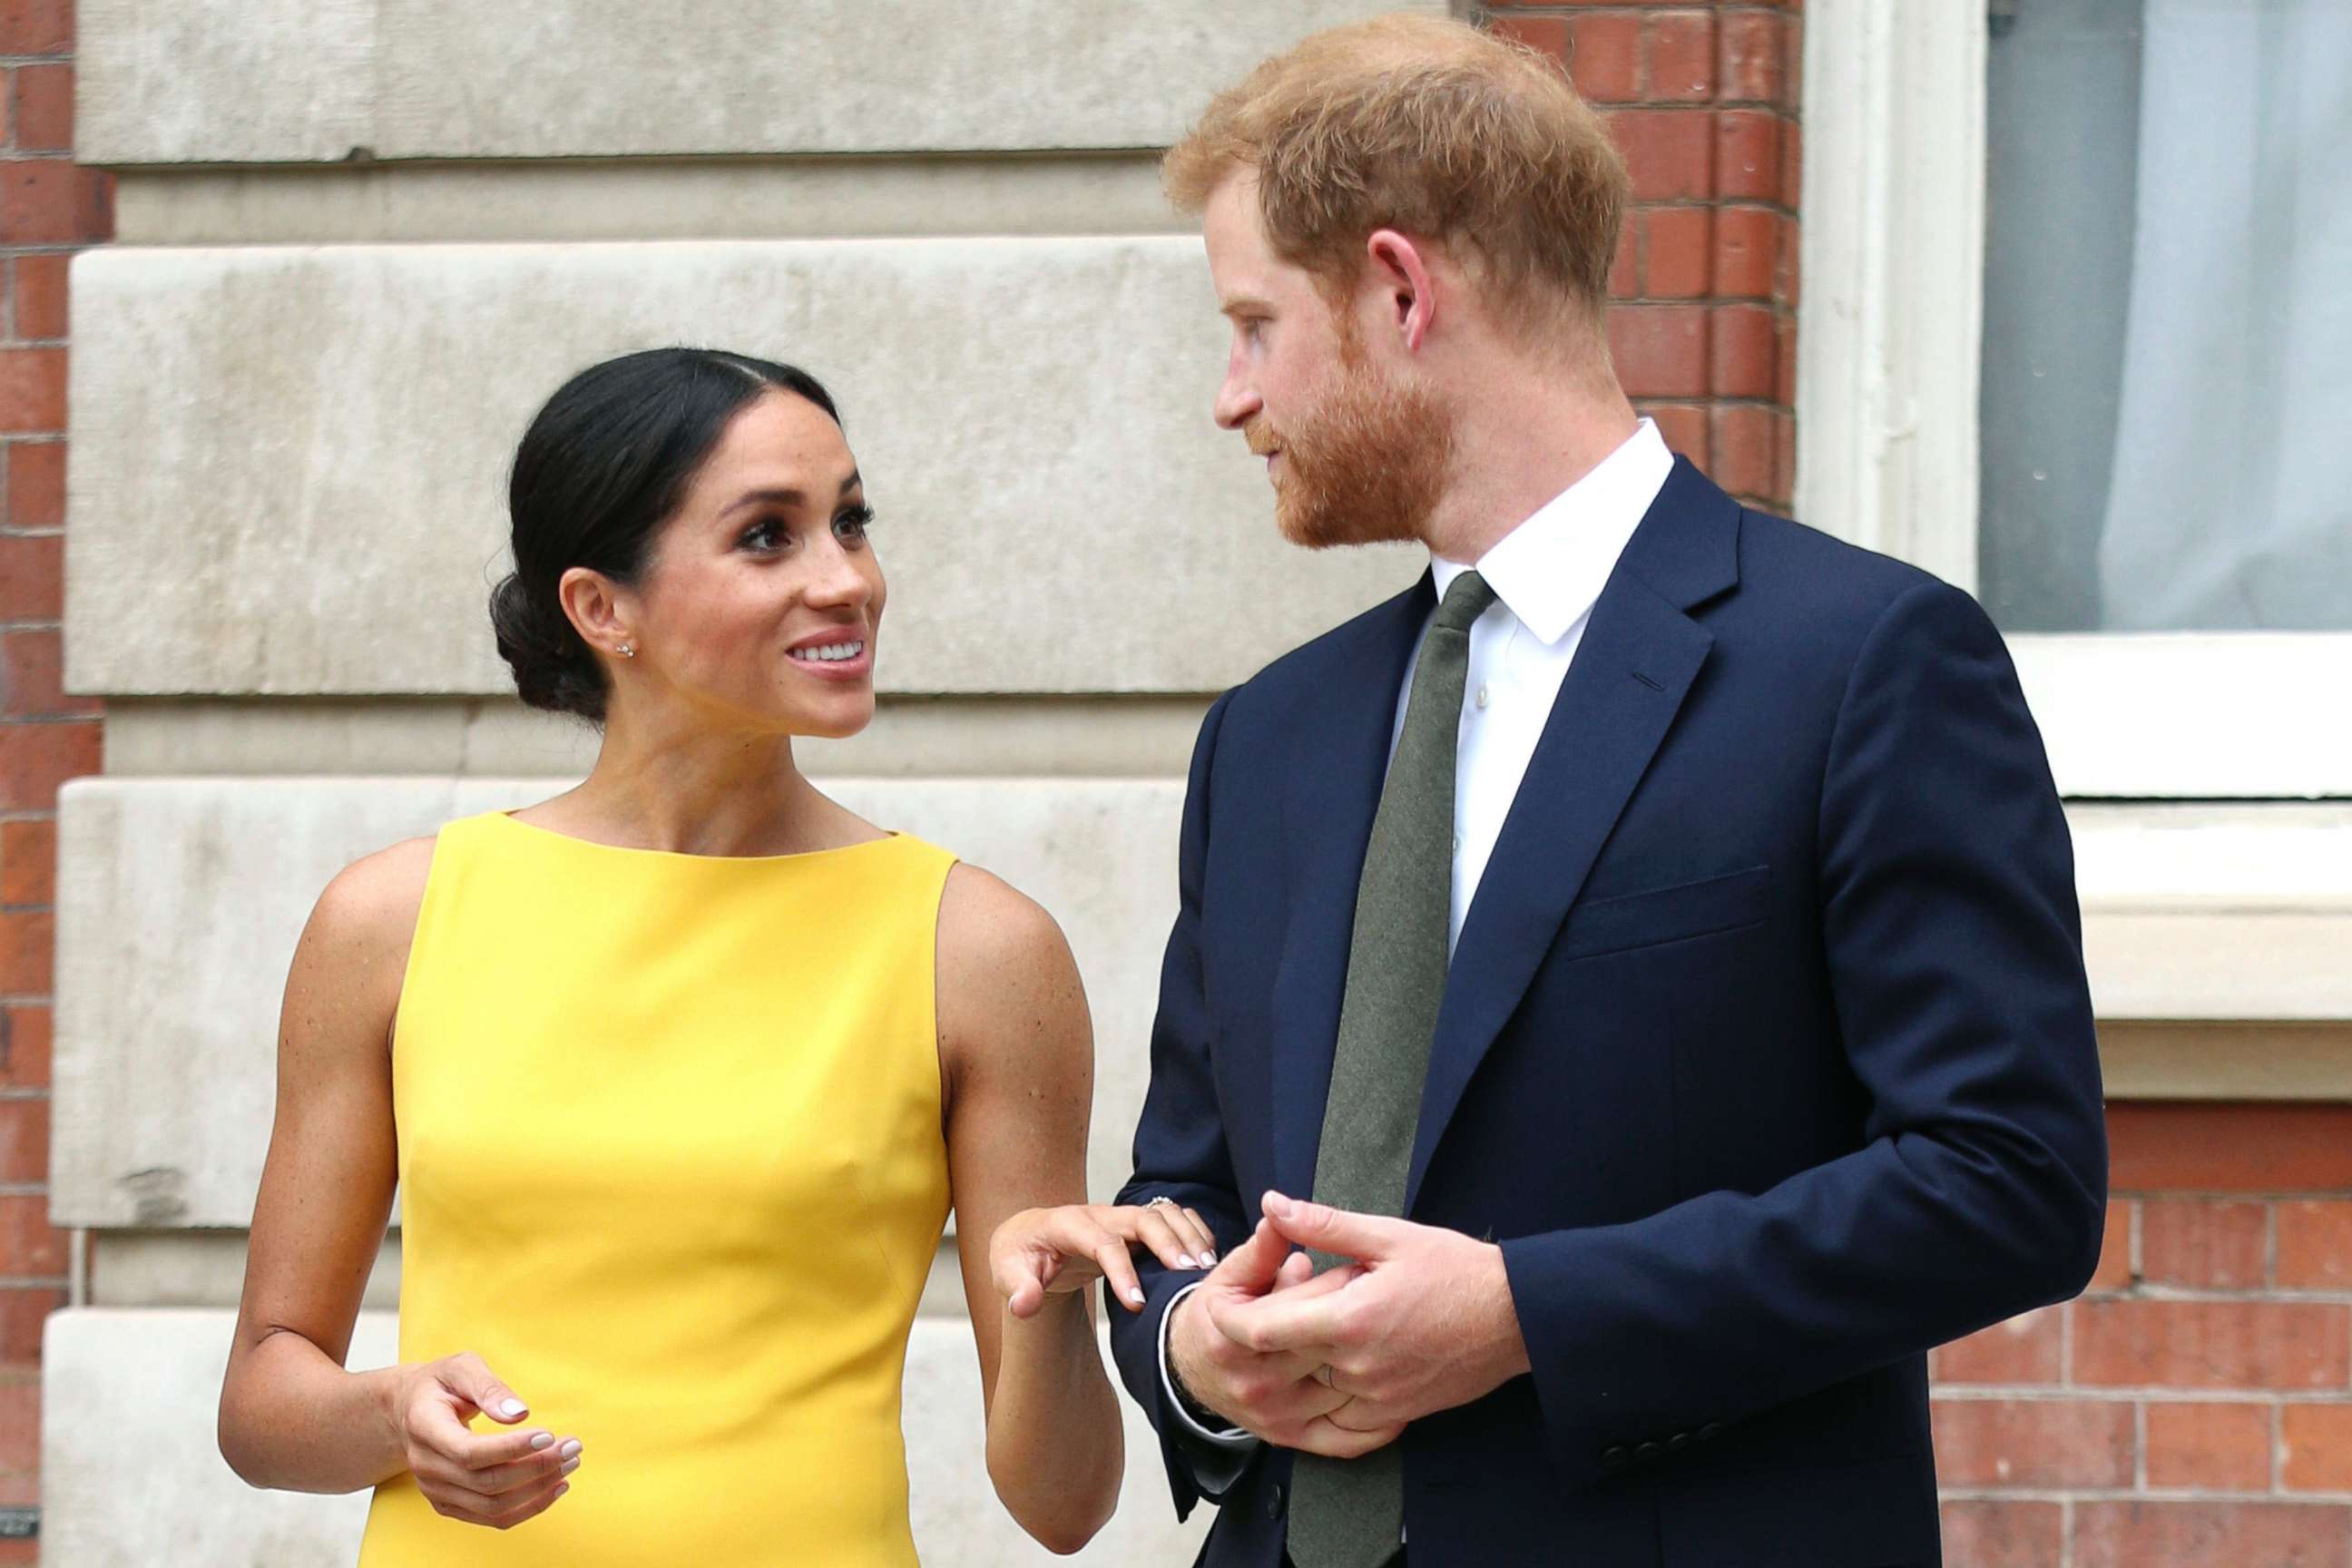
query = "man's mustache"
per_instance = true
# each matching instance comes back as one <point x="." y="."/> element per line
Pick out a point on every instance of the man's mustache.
<point x="1261" y="437"/>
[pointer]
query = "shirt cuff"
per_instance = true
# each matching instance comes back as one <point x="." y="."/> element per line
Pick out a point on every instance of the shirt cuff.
<point x="1229" y="1450"/>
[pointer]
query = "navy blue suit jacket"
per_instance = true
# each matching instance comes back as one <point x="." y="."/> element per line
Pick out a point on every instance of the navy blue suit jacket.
<point x="1766" y="1054"/>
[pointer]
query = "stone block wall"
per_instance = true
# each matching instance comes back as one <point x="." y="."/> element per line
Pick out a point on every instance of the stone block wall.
<point x="359" y="240"/>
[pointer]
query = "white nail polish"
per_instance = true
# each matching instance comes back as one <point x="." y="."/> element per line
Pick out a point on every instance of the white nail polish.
<point x="1208" y="1258"/>
<point x="513" y="1407"/>
<point x="1136" y="1297"/>
<point x="572" y="1449"/>
<point x="542" y="1439"/>
<point x="1186" y="1261"/>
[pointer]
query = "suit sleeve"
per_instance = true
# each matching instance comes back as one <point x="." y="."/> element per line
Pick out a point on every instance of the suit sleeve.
<point x="1179" y="1150"/>
<point x="1954" y="948"/>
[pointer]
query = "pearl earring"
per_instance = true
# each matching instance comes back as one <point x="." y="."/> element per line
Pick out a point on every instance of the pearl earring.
<point x="628" y="650"/>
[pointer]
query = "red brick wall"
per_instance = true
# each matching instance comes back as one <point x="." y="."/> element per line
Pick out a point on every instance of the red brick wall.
<point x="1703" y="100"/>
<point x="48" y="207"/>
<point x="2195" y="1406"/>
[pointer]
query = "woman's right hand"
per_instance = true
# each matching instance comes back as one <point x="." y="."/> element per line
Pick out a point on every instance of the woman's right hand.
<point x="494" y="1479"/>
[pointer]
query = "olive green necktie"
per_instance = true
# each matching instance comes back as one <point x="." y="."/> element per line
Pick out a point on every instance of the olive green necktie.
<point x="1348" y="1513"/>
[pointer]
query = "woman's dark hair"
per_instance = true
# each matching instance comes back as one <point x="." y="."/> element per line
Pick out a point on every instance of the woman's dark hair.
<point x="600" y="467"/>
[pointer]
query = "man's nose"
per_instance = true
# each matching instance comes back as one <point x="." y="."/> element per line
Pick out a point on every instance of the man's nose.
<point x="1237" y="404"/>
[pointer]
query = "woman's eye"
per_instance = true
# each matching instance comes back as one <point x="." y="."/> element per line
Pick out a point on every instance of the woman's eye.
<point x="764" y="535"/>
<point x="853" y="523"/>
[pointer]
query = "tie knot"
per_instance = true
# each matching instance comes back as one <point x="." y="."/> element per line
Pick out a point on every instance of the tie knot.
<point x="1465" y="602"/>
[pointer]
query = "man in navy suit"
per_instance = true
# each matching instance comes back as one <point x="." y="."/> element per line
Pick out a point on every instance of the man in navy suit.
<point x="1639" y="964"/>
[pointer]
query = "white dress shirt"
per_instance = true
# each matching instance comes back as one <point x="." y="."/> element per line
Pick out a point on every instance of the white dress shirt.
<point x="1547" y="574"/>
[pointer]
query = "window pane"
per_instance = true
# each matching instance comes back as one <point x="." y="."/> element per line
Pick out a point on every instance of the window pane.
<point x="2167" y="362"/>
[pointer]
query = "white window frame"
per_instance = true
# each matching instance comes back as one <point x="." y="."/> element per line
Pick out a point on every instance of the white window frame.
<point x="1890" y="337"/>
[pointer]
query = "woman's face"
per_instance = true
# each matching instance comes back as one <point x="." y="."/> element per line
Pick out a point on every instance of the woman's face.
<point x="761" y="602"/>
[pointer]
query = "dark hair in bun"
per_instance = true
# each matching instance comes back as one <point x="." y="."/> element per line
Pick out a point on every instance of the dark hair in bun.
<point x="600" y="467"/>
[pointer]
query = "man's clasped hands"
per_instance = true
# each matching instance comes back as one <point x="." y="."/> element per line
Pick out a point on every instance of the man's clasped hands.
<point x="1415" y="1319"/>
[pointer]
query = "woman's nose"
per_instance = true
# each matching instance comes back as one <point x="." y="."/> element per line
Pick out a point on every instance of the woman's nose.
<point x="840" y="579"/>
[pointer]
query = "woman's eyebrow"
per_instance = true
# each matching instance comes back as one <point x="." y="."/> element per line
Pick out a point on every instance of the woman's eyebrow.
<point x="783" y="496"/>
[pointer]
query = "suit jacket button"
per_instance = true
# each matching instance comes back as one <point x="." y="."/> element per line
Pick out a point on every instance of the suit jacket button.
<point x="1274" y="1500"/>
<point x="1711" y="1430"/>
<point x="1648" y="1451"/>
<point x="1612" y="1457"/>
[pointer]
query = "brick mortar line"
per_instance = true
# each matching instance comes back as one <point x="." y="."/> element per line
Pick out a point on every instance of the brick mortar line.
<point x="1694" y="301"/>
<point x="2225" y="1195"/>
<point x="2221" y="1295"/>
<point x="1566" y="9"/>
<point x="1660" y="203"/>
<point x="2151" y="1394"/>
<point x="2334" y="1499"/>
<point x="32" y="1282"/>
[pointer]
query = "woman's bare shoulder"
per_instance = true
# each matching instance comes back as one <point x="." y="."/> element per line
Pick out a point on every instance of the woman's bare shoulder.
<point x="1005" y="971"/>
<point x="360" y="929"/>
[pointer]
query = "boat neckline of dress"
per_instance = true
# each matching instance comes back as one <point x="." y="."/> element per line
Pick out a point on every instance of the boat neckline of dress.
<point x="511" y="820"/>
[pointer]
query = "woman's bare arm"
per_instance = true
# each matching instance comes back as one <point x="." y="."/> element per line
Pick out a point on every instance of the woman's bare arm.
<point x="1019" y="1055"/>
<point x="290" y="1416"/>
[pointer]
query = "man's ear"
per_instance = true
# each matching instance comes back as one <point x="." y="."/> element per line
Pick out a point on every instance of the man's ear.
<point x="1403" y="276"/>
<point x="592" y="603"/>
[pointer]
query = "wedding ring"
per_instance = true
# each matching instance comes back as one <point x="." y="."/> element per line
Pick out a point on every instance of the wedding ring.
<point x="1323" y="1374"/>
<point x="1162" y="1198"/>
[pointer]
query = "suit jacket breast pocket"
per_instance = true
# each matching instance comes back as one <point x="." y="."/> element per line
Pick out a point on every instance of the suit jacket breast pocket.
<point x="1660" y="915"/>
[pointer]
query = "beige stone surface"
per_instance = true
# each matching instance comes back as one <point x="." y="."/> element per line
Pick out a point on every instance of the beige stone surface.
<point x="288" y="464"/>
<point x="180" y="902"/>
<point x="207" y="82"/>
<point x="911" y="737"/>
<point x="129" y="1416"/>
<point x="875" y="196"/>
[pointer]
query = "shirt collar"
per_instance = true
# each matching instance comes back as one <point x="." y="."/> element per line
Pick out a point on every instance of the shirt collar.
<point x="1550" y="569"/>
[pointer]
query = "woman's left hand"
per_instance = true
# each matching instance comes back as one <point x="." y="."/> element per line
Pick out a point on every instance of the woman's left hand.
<point x="1054" y="1251"/>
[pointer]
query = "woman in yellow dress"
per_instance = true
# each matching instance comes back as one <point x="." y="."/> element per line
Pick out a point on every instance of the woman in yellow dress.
<point x="680" y="1073"/>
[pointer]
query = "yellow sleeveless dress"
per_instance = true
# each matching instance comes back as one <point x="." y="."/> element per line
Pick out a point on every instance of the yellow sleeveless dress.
<point x="671" y="1163"/>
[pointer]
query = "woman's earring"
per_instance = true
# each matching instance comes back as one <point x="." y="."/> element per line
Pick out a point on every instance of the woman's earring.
<point x="628" y="650"/>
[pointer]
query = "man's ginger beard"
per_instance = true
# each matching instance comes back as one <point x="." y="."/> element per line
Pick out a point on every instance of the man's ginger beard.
<point x="1367" y="465"/>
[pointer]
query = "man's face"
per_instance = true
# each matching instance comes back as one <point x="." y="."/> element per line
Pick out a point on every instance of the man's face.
<point x="1357" y="449"/>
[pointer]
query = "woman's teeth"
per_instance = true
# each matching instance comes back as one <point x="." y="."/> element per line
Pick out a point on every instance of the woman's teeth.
<point x="830" y="653"/>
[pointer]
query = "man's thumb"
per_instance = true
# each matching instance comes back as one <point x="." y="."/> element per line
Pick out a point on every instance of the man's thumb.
<point x="1322" y="1228"/>
<point x="1252" y="1267"/>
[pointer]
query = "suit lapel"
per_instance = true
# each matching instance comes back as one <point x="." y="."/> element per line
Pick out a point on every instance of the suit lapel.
<point x="1333" y="788"/>
<point x="1639" y="656"/>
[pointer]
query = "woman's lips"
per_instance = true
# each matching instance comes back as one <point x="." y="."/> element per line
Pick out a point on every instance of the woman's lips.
<point x="857" y="666"/>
